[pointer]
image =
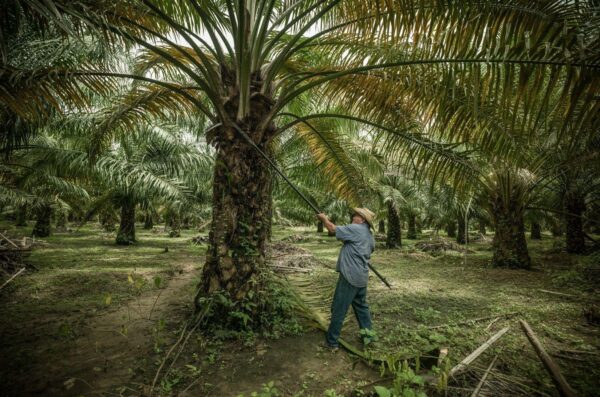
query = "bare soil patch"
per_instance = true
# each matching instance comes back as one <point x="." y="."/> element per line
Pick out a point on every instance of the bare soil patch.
<point x="109" y="351"/>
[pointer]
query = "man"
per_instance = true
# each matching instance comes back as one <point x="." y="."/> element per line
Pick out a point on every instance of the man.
<point x="352" y="264"/>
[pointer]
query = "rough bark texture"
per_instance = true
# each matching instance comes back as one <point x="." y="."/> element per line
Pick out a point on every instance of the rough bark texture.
<point x="574" y="206"/>
<point x="510" y="246"/>
<point x="126" y="233"/>
<point x="412" y="227"/>
<point x="451" y="229"/>
<point x="394" y="234"/>
<point x="42" y="224"/>
<point x="240" y="210"/>
<point x="319" y="227"/>
<point x="536" y="231"/>
<point x="381" y="228"/>
<point x="239" y="228"/>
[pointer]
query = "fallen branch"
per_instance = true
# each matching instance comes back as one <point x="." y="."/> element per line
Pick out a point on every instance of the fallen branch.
<point x="474" y="320"/>
<point x="492" y="323"/>
<point x="13" y="276"/>
<point x="9" y="241"/>
<point x="471" y="357"/>
<point x="484" y="378"/>
<point x="292" y="268"/>
<point x="559" y="381"/>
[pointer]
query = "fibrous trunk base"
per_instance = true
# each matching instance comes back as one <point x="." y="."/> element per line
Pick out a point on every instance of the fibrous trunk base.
<point x="510" y="246"/>
<point x="238" y="234"/>
<point x="126" y="233"/>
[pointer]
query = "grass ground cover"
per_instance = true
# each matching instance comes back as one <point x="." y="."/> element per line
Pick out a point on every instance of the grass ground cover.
<point x="53" y="316"/>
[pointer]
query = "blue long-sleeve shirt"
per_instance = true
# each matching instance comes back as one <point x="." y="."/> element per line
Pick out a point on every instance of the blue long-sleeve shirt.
<point x="355" y="253"/>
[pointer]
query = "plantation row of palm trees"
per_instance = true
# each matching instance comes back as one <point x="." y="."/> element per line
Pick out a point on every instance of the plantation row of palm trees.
<point x="491" y="105"/>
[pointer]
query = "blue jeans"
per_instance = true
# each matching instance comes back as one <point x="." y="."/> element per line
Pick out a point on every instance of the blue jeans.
<point x="345" y="295"/>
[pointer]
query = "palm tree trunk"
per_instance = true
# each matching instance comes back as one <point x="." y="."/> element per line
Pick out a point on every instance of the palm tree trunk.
<point x="510" y="246"/>
<point x="381" y="228"/>
<point x="536" y="231"/>
<point x="126" y="233"/>
<point x="174" y="224"/>
<point x="42" y="224"/>
<point x="451" y="229"/>
<point x="269" y="214"/>
<point x="461" y="237"/>
<point x="148" y="221"/>
<point x="482" y="230"/>
<point x="21" y="216"/>
<point x="61" y="221"/>
<point x="107" y="220"/>
<point x="557" y="229"/>
<point x="574" y="205"/>
<point x="238" y="232"/>
<point x="412" y="227"/>
<point x="394" y="233"/>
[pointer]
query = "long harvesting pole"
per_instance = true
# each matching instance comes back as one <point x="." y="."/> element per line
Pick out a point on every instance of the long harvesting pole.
<point x="310" y="203"/>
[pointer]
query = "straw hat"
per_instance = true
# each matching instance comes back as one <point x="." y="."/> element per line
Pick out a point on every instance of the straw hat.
<point x="366" y="213"/>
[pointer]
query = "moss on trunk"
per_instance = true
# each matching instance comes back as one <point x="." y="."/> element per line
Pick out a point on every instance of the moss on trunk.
<point x="241" y="210"/>
<point x="238" y="232"/>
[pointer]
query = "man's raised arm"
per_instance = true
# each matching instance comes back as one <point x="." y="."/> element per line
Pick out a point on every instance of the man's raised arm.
<point x="330" y="226"/>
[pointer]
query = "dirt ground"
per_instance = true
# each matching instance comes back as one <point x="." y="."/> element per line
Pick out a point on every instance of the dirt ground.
<point x="61" y="348"/>
<point x="80" y="324"/>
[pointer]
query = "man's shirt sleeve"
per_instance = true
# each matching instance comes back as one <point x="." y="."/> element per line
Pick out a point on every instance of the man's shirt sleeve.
<point x="345" y="233"/>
